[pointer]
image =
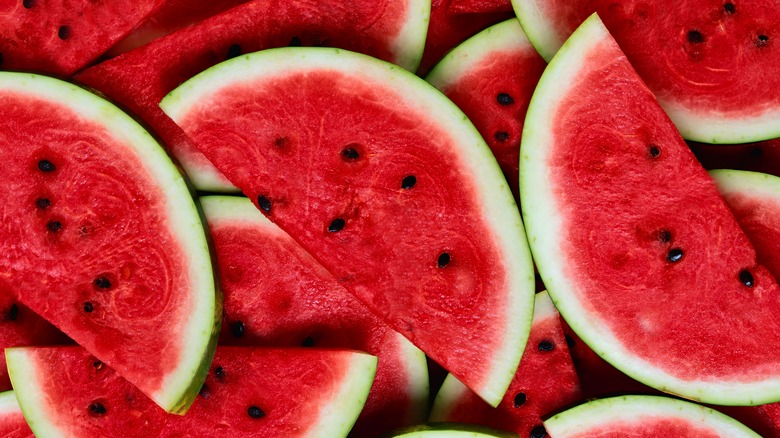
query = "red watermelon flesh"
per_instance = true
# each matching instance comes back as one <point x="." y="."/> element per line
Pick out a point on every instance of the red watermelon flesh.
<point x="544" y="383"/>
<point x="479" y="6"/>
<point x="68" y="392"/>
<point x="141" y="78"/>
<point x="762" y="156"/>
<point x="63" y="36"/>
<point x="491" y="77"/>
<point x="12" y="423"/>
<point x="303" y="305"/>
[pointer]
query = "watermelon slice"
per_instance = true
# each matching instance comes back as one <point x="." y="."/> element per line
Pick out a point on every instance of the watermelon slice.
<point x="12" y="424"/>
<point x="101" y="237"/>
<point x="446" y="430"/>
<point x="644" y="416"/>
<point x="654" y="274"/>
<point x="249" y="392"/>
<point x="707" y="61"/>
<point x="545" y="382"/>
<point x="393" y="31"/>
<point x="63" y="36"/>
<point x="763" y="156"/>
<point x="474" y="76"/>
<point x="386" y="184"/>
<point x="301" y="304"/>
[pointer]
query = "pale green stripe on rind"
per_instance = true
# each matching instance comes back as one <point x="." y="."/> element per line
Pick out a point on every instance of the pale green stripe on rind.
<point x="33" y="402"/>
<point x="499" y="209"/>
<point x="450" y="430"/>
<point x="545" y="228"/>
<point x="753" y="184"/>
<point x="410" y="43"/>
<point x="180" y="387"/>
<point x="639" y="409"/>
<point x="537" y="26"/>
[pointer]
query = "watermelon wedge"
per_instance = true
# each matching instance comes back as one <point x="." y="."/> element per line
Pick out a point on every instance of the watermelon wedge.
<point x="277" y="295"/>
<point x="653" y="274"/>
<point x="447" y="430"/>
<point x="12" y="424"/>
<point x="644" y="416"/>
<point x="762" y="156"/>
<point x="705" y="60"/>
<point x="249" y="392"/>
<point x="63" y="36"/>
<point x="544" y="383"/>
<point x="474" y="76"/>
<point x="387" y="185"/>
<point x="102" y="238"/>
<point x="394" y="31"/>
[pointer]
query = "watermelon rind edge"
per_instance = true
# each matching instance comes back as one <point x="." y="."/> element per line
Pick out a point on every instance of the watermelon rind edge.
<point x="8" y="403"/>
<point x="543" y="224"/>
<point x="748" y="182"/>
<point x="634" y="409"/>
<point x="32" y="400"/>
<point x="539" y="31"/>
<point x="409" y="45"/>
<point x="450" y="430"/>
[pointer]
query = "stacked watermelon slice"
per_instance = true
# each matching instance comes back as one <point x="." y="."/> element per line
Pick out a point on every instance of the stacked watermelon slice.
<point x="254" y="238"/>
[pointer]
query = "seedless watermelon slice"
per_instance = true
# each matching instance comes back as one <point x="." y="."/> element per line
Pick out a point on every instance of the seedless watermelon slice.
<point x="102" y="238"/>
<point x="250" y="392"/>
<point x="277" y="295"/>
<point x="384" y="182"/>
<point x="644" y="416"/>
<point x="12" y="423"/>
<point x="705" y="60"/>
<point x="650" y="271"/>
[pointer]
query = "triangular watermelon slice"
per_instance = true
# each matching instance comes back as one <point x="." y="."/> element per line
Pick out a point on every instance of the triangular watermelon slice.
<point x="277" y="295"/>
<point x="638" y="250"/>
<point x="63" y="36"/>
<point x="102" y="238"/>
<point x="386" y="183"/>
<point x="12" y="423"/>
<point x="249" y="392"/>
<point x="706" y="61"/>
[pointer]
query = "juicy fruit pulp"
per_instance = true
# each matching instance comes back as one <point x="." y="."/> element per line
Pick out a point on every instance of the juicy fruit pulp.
<point x="102" y="238"/>
<point x="408" y="212"/>
<point x="630" y="258"/>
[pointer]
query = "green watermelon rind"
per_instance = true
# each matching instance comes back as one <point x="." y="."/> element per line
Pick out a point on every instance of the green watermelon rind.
<point x="754" y="184"/>
<point x="539" y="31"/>
<point x="629" y="409"/>
<point x="8" y="403"/>
<point x="240" y="209"/>
<point x="410" y="43"/>
<point x="499" y="212"/>
<point x="544" y="225"/>
<point x="450" y="430"/>
<point x="179" y="389"/>
<point x="24" y="375"/>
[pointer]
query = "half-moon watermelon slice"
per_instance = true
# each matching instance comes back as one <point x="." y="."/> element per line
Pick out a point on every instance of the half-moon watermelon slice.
<point x="707" y="61"/>
<point x="277" y="295"/>
<point x="249" y="392"/>
<point x="102" y="238"/>
<point x="636" y="247"/>
<point x="12" y="423"/>
<point x="387" y="184"/>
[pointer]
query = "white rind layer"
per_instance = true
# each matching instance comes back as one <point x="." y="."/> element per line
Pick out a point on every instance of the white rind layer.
<point x="33" y="401"/>
<point x="538" y="28"/>
<point x="408" y="46"/>
<point x="545" y="227"/>
<point x="753" y="184"/>
<point x="635" y="409"/>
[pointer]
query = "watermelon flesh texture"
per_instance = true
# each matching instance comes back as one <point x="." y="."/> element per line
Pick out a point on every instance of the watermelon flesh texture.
<point x="762" y="156"/>
<point x="544" y="383"/>
<point x="491" y="78"/>
<point x="613" y="253"/>
<point x="63" y="36"/>
<point x="369" y="190"/>
<point x="12" y="423"/>
<point x="705" y="60"/>
<point x="101" y="237"/>
<point x="479" y="6"/>
<point x="302" y="305"/>
<point x="296" y="392"/>
<point x="141" y="78"/>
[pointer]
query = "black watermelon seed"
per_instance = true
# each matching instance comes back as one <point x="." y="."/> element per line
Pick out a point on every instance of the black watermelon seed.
<point x="295" y="42"/>
<point x="264" y="203"/>
<point x="54" y="226"/>
<point x="695" y="37"/>
<point x="46" y="166"/>
<point x="219" y="372"/>
<point x="64" y="32"/>
<point x="205" y="391"/>
<point x="444" y="259"/>
<point x="98" y="365"/>
<point x="665" y="236"/>
<point x="233" y="51"/>
<point x="504" y="99"/>
<point x="729" y="8"/>
<point x="546" y="346"/>
<point x="88" y="307"/>
<point x="408" y="182"/>
<point x="570" y="341"/>
<point x="255" y="412"/>
<point x="28" y="3"/>
<point x="520" y="399"/>
<point x="501" y="136"/>
<point x="97" y="409"/>
<point x="42" y="203"/>
<point x="654" y="150"/>
<point x="538" y="432"/>
<point x="762" y="41"/>
<point x="102" y="283"/>
<point x="237" y="329"/>
<point x="746" y="278"/>
<point x="308" y="342"/>
<point x="674" y="255"/>
<point x="337" y="225"/>
<point x="13" y="312"/>
<point x="350" y="154"/>
<point x="280" y="142"/>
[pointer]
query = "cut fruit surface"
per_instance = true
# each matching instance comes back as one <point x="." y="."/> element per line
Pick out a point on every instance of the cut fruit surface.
<point x="479" y="6"/>
<point x="102" y="238"/>
<point x="644" y="416"/>
<point x="277" y="295"/>
<point x="629" y="253"/>
<point x="705" y="60"/>
<point x="12" y="424"/>
<point x="407" y="211"/>
<point x="249" y="392"/>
